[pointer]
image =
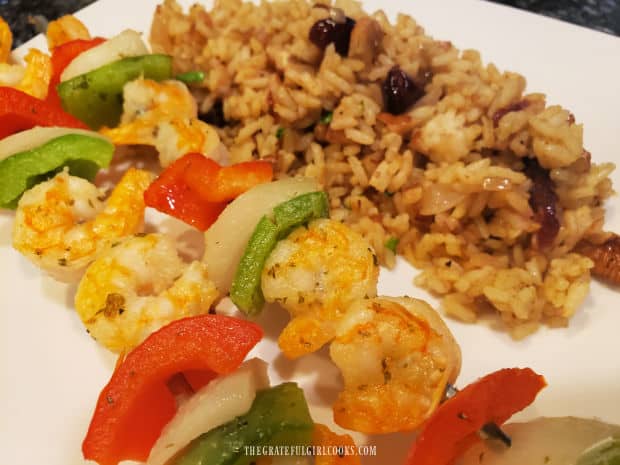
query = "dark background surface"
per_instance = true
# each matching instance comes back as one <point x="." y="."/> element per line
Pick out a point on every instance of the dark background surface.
<point x="27" y="17"/>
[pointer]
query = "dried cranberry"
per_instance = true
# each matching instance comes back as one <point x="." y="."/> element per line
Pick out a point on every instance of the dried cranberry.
<point x="543" y="200"/>
<point x="327" y="31"/>
<point x="399" y="91"/>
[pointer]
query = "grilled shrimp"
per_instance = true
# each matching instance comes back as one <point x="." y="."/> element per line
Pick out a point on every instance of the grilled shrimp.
<point x="324" y="437"/>
<point x="33" y="79"/>
<point x="137" y="286"/>
<point x="314" y="274"/>
<point x="6" y="40"/>
<point x="163" y="115"/>
<point x="168" y="98"/>
<point x="65" y="29"/>
<point x="62" y="224"/>
<point x="396" y="356"/>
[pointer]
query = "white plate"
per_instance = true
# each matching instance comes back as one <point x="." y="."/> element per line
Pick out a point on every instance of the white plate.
<point x="52" y="371"/>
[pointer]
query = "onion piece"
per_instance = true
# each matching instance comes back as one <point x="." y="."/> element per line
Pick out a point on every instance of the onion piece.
<point x="226" y="239"/>
<point x="544" y="440"/>
<point x="220" y="401"/>
<point x="127" y="44"/>
<point x="338" y="15"/>
<point x="36" y="137"/>
<point x="438" y="198"/>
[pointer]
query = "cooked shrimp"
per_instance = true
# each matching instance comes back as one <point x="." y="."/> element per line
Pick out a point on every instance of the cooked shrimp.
<point x="168" y="98"/>
<point x="65" y="29"/>
<point x="606" y="258"/>
<point x="6" y="40"/>
<point x="32" y="79"/>
<point x="137" y="286"/>
<point x="314" y="274"/>
<point x="396" y="356"/>
<point x="164" y="115"/>
<point x="62" y="224"/>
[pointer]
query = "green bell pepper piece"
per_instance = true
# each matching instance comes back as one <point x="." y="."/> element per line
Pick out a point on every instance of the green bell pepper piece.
<point x="279" y="417"/>
<point x="605" y="452"/>
<point x="97" y="96"/>
<point x="83" y="155"/>
<point x="300" y="210"/>
<point x="246" y="292"/>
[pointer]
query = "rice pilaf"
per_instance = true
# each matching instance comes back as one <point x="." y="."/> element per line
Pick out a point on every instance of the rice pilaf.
<point x="486" y="189"/>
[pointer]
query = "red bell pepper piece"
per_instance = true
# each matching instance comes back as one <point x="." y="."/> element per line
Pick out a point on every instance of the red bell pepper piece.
<point x="136" y="403"/>
<point x="20" y="111"/>
<point x="222" y="184"/>
<point x="61" y="57"/>
<point x="454" y="426"/>
<point x="195" y="188"/>
<point x="170" y="194"/>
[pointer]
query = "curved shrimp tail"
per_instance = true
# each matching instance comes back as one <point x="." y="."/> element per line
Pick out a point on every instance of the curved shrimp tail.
<point x="324" y="437"/>
<point x="6" y="41"/>
<point x="118" y="218"/>
<point x="304" y="335"/>
<point x="38" y="73"/>
<point x="65" y="29"/>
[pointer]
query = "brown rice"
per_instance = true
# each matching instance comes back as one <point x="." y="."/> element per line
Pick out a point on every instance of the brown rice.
<point x="446" y="179"/>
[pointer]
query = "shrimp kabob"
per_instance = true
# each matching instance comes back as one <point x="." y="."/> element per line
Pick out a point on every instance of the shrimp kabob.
<point x="396" y="354"/>
<point x="325" y="276"/>
<point x="132" y="284"/>
<point x="48" y="160"/>
<point x="50" y="153"/>
<point x="137" y="297"/>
